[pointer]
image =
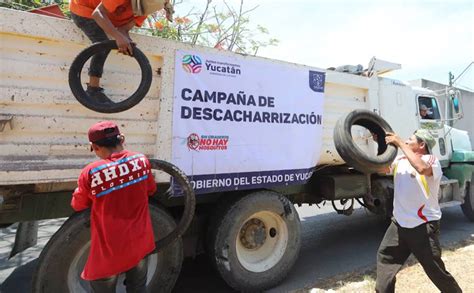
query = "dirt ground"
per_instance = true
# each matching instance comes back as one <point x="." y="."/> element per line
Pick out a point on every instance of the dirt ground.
<point x="459" y="260"/>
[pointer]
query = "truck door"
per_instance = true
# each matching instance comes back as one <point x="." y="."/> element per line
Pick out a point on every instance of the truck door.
<point x="430" y="118"/>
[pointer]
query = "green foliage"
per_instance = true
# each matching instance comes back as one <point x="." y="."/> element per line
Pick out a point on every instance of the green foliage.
<point x="223" y="27"/>
<point x="220" y="26"/>
<point x="22" y="4"/>
<point x="26" y="5"/>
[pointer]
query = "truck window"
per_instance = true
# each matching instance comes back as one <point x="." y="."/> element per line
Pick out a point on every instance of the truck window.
<point x="428" y="108"/>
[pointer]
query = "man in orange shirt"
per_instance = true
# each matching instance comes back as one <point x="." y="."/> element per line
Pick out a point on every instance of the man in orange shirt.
<point x="115" y="18"/>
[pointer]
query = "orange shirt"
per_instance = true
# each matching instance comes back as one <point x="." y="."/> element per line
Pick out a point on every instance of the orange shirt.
<point x="119" y="11"/>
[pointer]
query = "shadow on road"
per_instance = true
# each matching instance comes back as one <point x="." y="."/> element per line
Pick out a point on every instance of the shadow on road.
<point x="331" y="245"/>
<point x="20" y="279"/>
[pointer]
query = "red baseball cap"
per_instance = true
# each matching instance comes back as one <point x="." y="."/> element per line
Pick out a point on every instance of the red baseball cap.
<point x="103" y="129"/>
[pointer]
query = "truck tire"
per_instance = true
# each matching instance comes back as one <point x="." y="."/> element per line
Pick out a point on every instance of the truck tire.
<point x="351" y="153"/>
<point x="189" y="200"/>
<point x="63" y="258"/>
<point x="82" y="97"/>
<point x="382" y="193"/>
<point x="254" y="241"/>
<point x="468" y="205"/>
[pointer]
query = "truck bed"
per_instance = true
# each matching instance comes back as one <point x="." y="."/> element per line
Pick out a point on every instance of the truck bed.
<point x="43" y="129"/>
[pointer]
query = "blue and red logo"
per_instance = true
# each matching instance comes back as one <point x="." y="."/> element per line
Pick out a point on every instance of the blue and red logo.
<point x="192" y="63"/>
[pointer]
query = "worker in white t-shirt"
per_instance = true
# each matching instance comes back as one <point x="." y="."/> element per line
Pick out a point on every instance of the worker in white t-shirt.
<point x="416" y="214"/>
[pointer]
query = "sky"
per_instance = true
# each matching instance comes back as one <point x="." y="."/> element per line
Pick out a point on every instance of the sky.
<point x="428" y="38"/>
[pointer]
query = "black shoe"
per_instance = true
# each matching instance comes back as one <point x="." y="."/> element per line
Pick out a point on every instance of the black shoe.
<point x="97" y="93"/>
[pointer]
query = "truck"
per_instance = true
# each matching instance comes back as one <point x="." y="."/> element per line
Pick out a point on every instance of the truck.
<point x="255" y="137"/>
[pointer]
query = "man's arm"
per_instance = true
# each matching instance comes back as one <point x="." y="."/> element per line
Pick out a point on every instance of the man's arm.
<point x="125" y="29"/>
<point x="384" y="170"/>
<point x="151" y="184"/>
<point x="123" y="42"/>
<point x="80" y="198"/>
<point x="420" y="166"/>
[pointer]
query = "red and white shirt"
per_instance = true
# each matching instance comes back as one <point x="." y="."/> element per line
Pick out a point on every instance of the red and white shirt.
<point x="416" y="196"/>
<point x="117" y="191"/>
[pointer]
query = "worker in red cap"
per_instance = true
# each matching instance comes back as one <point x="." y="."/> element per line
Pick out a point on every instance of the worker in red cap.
<point x="116" y="188"/>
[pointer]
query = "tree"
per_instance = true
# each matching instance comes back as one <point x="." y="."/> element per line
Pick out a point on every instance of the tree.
<point x="224" y="28"/>
<point x="220" y="26"/>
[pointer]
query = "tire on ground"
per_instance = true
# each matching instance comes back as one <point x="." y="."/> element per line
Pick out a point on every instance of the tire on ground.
<point x="468" y="205"/>
<point x="82" y="97"/>
<point x="351" y="153"/>
<point x="248" y="265"/>
<point x="63" y="258"/>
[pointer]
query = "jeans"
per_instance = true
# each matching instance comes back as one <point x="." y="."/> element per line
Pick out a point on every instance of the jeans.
<point x="96" y="34"/>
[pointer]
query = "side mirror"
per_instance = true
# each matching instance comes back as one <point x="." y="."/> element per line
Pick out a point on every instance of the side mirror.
<point x="456" y="105"/>
<point x="456" y="102"/>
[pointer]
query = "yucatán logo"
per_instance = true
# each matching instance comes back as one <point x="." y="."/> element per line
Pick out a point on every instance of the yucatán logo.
<point x="223" y="68"/>
<point x="207" y="142"/>
<point x="316" y="81"/>
<point x="192" y="63"/>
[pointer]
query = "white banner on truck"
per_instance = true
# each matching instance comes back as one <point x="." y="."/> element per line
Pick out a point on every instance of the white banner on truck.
<point x="242" y="123"/>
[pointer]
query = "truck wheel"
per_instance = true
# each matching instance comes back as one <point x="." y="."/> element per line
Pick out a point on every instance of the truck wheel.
<point x="382" y="193"/>
<point x="254" y="240"/>
<point x="82" y="97"/>
<point x="468" y="205"/>
<point x="351" y="153"/>
<point x="63" y="258"/>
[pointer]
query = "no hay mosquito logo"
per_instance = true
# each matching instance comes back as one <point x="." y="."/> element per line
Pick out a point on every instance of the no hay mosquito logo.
<point x="192" y="63"/>
<point x="198" y="142"/>
<point x="193" y="141"/>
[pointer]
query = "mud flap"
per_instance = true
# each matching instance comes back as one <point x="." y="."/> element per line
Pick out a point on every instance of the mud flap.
<point x="26" y="237"/>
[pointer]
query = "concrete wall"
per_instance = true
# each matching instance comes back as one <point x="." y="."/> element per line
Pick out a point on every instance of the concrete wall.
<point x="467" y="103"/>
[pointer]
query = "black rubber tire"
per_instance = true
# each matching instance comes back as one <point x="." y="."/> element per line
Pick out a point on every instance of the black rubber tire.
<point x="468" y="205"/>
<point x="55" y="261"/>
<point x="224" y="230"/>
<point x="189" y="200"/>
<point x="82" y="97"/>
<point x="351" y="153"/>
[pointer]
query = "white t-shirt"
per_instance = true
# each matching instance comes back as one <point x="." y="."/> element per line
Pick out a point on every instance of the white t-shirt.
<point x="416" y="196"/>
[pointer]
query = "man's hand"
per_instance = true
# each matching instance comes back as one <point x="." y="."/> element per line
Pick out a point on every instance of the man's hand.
<point x="124" y="30"/>
<point x="392" y="138"/>
<point x="124" y="44"/>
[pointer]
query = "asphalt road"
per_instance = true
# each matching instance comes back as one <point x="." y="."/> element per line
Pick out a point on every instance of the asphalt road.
<point x="331" y="245"/>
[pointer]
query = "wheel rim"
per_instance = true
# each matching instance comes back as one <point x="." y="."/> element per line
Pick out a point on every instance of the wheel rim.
<point x="262" y="241"/>
<point x="78" y="285"/>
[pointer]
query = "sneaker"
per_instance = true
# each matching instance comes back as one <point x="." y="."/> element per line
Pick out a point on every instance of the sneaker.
<point x="97" y="93"/>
